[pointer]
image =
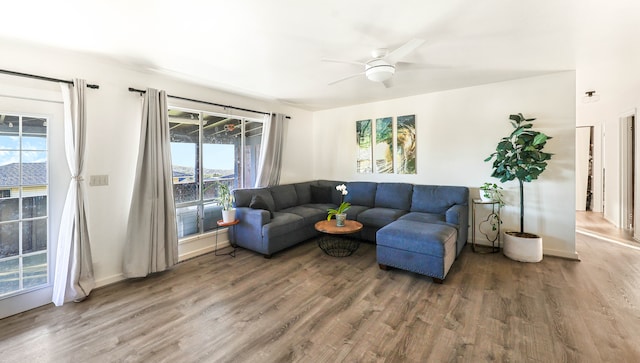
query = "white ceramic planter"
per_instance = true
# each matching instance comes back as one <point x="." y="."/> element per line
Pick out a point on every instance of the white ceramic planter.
<point x="523" y="249"/>
<point x="486" y="196"/>
<point x="228" y="215"/>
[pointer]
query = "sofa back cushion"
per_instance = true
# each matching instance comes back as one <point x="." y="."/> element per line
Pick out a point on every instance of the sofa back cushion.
<point x="258" y="203"/>
<point x="336" y="197"/>
<point x="361" y="193"/>
<point x="303" y="190"/>
<point x="437" y="199"/>
<point x="284" y="196"/>
<point x="243" y="197"/>
<point x="394" y="195"/>
<point x="321" y="194"/>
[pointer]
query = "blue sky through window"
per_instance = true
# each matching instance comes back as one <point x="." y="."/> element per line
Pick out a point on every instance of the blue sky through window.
<point x="215" y="156"/>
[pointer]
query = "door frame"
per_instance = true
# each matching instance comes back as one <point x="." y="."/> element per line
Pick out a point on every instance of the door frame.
<point x="16" y="102"/>
<point x="629" y="171"/>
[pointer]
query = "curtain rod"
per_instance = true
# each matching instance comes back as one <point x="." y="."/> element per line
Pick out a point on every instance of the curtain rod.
<point x="43" y="78"/>
<point x="131" y="89"/>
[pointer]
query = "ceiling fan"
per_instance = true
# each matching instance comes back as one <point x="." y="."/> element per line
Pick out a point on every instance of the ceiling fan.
<point x="382" y="66"/>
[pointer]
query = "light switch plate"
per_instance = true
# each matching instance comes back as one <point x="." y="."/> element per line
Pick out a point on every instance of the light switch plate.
<point x="98" y="180"/>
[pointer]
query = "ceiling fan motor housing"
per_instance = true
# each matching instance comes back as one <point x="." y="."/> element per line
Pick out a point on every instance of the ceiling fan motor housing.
<point x="379" y="70"/>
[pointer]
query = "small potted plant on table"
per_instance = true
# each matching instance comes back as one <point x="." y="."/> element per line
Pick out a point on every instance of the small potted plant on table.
<point x="225" y="199"/>
<point x="340" y="214"/>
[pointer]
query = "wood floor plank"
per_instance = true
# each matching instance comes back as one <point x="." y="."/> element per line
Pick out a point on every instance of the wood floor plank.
<point x="305" y="306"/>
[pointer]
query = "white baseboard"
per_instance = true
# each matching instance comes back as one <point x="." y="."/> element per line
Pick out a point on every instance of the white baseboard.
<point x="546" y="251"/>
<point x="562" y="254"/>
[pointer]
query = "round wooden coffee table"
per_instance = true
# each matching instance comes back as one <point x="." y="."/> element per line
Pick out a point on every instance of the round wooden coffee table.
<point x="334" y="242"/>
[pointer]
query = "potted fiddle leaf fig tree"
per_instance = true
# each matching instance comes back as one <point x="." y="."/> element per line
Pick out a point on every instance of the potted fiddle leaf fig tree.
<point x="520" y="156"/>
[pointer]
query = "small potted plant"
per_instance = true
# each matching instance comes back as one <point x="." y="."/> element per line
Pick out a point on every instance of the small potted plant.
<point x="225" y="199"/>
<point x="340" y="214"/>
<point x="491" y="192"/>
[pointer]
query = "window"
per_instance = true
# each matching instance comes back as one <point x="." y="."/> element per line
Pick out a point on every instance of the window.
<point x="208" y="149"/>
<point x="23" y="203"/>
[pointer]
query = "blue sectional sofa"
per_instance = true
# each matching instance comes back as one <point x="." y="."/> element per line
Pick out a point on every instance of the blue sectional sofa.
<point x="275" y="218"/>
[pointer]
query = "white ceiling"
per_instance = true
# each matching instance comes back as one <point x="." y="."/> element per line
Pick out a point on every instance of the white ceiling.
<point x="273" y="49"/>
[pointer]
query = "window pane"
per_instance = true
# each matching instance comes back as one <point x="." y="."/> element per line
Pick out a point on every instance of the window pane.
<point x="34" y="167"/>
<point x="221" y="141"/>
<point x="185" y="138"/>
<point x="9" y="125"/>
<point x="219" y="165"/>
<point x="23" y="203"/>
<point x="34" y="236"/>
<point x="9" y="168"/>
<point x="212" y="214"/>
<point x="253" y="138"/>
<point x="9" y="239"/>
<point x="9" y="276"/>
<point x="34" y="270"/>
<point x="34" y="126"/>
<point x="34" y="143"/>
<point x="36" y="206"/>
<point x="187" y="221"/>
<point x="9" y="142"/>
<point x="9" y="208"/>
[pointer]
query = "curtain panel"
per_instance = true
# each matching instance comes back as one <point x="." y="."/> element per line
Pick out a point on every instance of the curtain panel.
<point x="152" y="238"/>
<point x="73" y="276"/>
<point x="270" y="163"/>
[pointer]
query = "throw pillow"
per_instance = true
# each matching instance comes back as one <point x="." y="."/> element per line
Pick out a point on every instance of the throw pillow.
<point x="258" y="203"/>
<point x="320" y="194"/>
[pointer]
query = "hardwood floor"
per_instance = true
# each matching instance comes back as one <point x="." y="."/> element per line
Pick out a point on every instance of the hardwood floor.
<point x="594" y="224"/>
<point x="304" y="306"/>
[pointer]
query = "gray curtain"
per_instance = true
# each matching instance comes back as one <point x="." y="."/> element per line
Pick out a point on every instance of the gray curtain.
<point x="271" y="151"/>
<point x="73" y="276"/>
<point x="152" y="239"/>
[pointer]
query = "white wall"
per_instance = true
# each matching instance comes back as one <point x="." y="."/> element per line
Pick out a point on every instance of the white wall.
<point x="113" y="115"/>
<point x="457" y="130"/>
<point x="614" y="75"/>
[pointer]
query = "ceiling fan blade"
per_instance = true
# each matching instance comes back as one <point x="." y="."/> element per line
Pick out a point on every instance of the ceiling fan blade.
<point x="343" y="61"/>
<point x="345" y="78"/>
<point x="403" y="50"/>
<point x="405" y="66"/>
<point x="388" y="83"/>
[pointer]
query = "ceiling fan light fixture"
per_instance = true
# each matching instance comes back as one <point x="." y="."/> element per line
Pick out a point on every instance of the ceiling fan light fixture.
<point x="380" y="73"/>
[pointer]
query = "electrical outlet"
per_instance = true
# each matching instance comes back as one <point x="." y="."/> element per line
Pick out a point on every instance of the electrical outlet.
<point x="98" y="180"/>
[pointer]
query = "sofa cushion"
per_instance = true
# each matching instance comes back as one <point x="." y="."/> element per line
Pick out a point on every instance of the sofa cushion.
<point x="310" y="215"/>
<point x="437" y="199"/>
<point x="320" y="194"/>
<point x="243" y="197"/>
<point x="282" y="223"/>
<point x="284" y="196"/>
<point x="361" y="193"/>
<point x="394" y="195"/>
<point x="424" y="217"/>
<point x="425" y="238"/>
<point x="303" y="190"/>
<point x="354" y="211"/>
<point x="336" y="197"/>
<point x="258" y="202"/>
<point x="379" y="217"/>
